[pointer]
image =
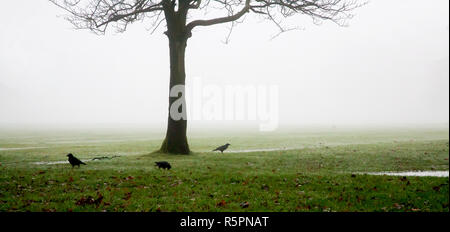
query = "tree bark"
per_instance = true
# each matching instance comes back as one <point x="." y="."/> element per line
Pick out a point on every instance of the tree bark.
<point x="176" y="139"/>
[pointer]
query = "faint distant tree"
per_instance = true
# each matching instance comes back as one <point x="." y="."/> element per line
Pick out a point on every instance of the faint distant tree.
<point x="176" y="15"/>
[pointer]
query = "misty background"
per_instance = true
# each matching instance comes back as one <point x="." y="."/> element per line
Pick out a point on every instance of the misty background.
<point x="390" y="66"/>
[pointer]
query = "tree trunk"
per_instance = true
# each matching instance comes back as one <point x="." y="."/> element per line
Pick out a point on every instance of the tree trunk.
<point x="176" y="140"/>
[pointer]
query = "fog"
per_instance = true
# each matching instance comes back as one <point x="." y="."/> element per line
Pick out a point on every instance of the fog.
<point x="389" y="66"/>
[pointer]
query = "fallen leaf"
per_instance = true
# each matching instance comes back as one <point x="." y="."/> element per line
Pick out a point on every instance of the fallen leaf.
<point x="398" y="206"/>
<point x="85" y="201"/>
<point x="245" y="204"/>
<point x="99" y="199"/>
<point x="127" y="196"/>
<point x="221" y="203"/>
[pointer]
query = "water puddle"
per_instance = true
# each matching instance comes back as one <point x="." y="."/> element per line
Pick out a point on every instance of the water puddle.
<point x="97" y="141"/>
<point x="411" y="173"/>
<point x="19" y="148"/>
<point x="258" y="150"/>
<point x="84" y="160"/>
<point x="57" y="162"/>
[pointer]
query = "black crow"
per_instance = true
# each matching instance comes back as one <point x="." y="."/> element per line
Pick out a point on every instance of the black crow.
<point x="74" y="161"/>
<point x="222" y="148"/>
<point x="163" y="164"/>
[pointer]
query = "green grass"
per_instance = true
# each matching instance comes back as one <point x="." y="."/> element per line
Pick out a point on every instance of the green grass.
<point x="315" y="176"/>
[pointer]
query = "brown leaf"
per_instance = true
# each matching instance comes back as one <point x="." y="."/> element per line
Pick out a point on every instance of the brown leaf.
<point x="99" y="198"/>
<point x="398" y="206"/>
<point x="127" y="196"/>
<point x="436" y="188"/>
<point x="221" y="203"/>
<point x="85" y="201"/>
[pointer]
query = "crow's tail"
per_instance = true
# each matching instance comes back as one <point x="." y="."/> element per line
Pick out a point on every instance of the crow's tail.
<point x="82" y="163"/>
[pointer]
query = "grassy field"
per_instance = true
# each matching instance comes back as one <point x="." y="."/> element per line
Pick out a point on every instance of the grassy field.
<point x="319" y="170"/>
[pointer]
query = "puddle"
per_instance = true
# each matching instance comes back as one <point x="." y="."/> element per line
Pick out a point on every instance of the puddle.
<point x="84" y="160"/>
<point x="263" y="149"/>
<point x="258" y="150"/>
<point x="97" y="141"/>
<point x="411" y="173"/>
<point x="57" y="162"/>
<point x="20" y="148"/>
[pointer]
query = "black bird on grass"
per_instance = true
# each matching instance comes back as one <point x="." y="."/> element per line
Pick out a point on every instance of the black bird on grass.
<point x="74" y="161"/>
<point x="222" y="148"/>
<point x="163" y="165"/>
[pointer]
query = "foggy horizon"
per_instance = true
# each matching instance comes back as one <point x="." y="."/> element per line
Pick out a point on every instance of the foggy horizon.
<point x="380" y="70"/>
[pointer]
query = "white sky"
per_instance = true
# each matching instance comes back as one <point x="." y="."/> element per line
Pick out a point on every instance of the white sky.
<point x="391" y="65"/>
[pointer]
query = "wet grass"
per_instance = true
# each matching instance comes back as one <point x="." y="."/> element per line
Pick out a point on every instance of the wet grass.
<point x="316" y="176"/>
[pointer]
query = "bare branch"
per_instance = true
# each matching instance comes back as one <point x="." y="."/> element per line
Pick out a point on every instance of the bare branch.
<point x="275" y="11"/>
<point x="96" y="15"/>
<point x="226" y="19"/>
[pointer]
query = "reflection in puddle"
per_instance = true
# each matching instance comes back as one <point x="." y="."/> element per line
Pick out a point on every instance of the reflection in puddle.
<point x="411" y="173"/>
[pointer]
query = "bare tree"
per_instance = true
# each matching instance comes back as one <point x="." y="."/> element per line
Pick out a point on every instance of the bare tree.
<point x="98" y="15"/>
